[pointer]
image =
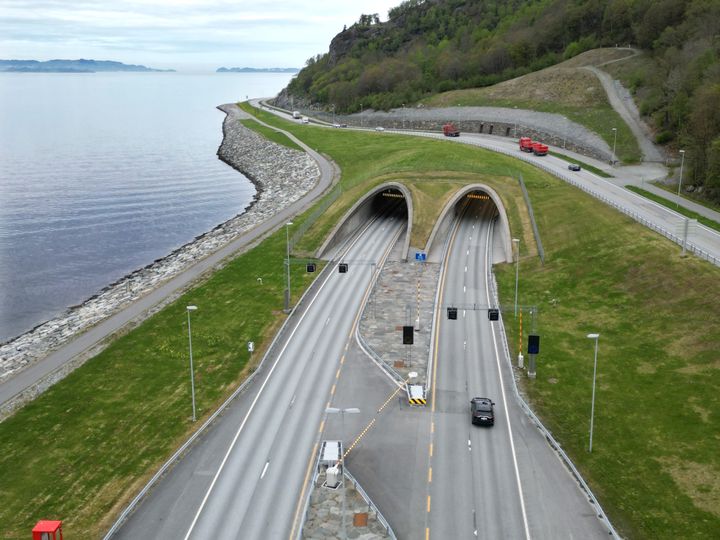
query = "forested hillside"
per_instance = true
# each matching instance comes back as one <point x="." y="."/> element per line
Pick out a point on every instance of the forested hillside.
<point x="430" y="46"/>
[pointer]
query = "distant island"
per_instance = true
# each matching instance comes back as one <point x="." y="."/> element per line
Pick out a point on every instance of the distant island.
<point x="256" y="70"/>
<point x="71" y="66"/>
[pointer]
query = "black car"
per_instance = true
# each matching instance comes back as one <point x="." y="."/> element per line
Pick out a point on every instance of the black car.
<point x="574" y="167"/>
<point x="482" y="412"/>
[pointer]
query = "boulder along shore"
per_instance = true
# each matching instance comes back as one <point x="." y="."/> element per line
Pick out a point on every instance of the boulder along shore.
<point x="281" y="176"/>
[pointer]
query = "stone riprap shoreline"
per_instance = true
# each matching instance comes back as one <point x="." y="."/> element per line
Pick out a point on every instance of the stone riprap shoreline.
<point x="281" y="176"/>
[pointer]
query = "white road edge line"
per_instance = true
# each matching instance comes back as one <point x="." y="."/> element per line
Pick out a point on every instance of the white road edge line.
<point x="252" y="406"/>
<point x="502" y="391"/>
<point x="264" y="470"/>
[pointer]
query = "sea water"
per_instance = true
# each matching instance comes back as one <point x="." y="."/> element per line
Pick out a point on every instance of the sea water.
<point x="102" y="173"/>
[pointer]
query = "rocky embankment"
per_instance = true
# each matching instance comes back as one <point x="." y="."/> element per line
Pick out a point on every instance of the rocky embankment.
<point x="281" y="176"/>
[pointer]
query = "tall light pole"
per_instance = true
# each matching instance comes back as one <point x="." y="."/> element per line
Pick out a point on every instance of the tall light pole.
<point x="592" y="407"/>
<point x="333" y="114"/>
<point x="614" y="145"/>
<point x="516" y="241"/>
<point x="515" y="132"/>
<point x="682" y="162"/>
<point x="287" y="262"/>
<point x="192" y="375"/>
<point x="342" y="412"/>
<point x="361" y="115"/>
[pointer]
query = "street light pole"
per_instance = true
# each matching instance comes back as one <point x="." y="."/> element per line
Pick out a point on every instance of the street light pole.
<point x="682" y="162"/>
<point x="614" y="145"/>
<point x="516" y="241"/>
<point x="287" y="262"/>
<point x="333" y="114"/>
<point x="192" y="375"/>
<point x="592" y="407"/>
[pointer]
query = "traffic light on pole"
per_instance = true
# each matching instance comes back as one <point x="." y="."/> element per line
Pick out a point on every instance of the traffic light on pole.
<point x="408" y="335"/>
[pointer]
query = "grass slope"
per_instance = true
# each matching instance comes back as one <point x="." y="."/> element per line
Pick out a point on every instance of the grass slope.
<point x="654" y="464"/>
<point x="82" y="449"/>
<point x="563" y="89"/>
<point x="679" y="209"/>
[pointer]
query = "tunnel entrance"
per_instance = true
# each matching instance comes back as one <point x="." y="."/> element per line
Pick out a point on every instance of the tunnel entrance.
<point x="387" y="200"/>
<point x="482" y="202"/>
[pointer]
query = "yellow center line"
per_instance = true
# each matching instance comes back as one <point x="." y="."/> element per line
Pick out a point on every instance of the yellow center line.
<point x="302" y="494"/>
<point x="427" y="533"/>
<point x="432" y="427"/>
<point x="430" y="475"/>
<point x="337" y="375"/>
<point x="428" y="505"/>
<point x="332" y="390"/>
<point x="322" y="426"/>
<point x="431" y="449"/>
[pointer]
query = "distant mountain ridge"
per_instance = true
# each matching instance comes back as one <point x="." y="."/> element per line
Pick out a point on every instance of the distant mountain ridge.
<point x="72" y="66"/>
<point x="256" y="70"/>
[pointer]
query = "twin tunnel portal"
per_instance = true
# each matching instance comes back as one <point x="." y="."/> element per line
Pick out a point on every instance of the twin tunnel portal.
<point x="396" y="199"/>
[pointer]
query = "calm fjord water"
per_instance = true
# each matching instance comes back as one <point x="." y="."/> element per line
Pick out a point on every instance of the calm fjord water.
<point x="100" y="174"/>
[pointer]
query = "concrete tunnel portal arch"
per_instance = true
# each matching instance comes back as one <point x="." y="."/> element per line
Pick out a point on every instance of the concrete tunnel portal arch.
<point x="387" y="197"/>
<point x="503" y="241"/>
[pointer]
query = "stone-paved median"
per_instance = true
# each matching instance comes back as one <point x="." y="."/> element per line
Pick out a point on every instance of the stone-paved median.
<point x="403" y="295"/>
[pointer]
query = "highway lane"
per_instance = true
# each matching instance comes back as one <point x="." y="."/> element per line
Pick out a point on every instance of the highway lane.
<point x="658" y="216"/>
<point x="257" y="480"/>
<point x="489" y="482"/>
<point x="654" y="214"/>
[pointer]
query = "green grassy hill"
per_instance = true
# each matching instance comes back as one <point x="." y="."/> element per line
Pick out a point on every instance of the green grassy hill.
<point x="428" y="47"/>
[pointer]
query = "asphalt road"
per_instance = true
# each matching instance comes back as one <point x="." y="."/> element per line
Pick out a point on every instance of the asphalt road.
<point x="489" y="482"/>
<point x="610" y="191"/>
<point x="654" y="215"/>
<point x="246" y="478"/>
<point x="93" y="337"/>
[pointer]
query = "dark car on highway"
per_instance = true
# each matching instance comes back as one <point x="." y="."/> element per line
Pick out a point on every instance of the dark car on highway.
<point x="482" y="412"/>
<point x="574" y="167"/>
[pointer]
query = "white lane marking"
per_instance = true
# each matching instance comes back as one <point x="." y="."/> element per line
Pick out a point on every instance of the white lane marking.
<point x="467" y="252"/>
<point x="328" y="321"/>
<point x="260" y="391"/>
<point x="466" y="268"/>
<point x="464" y="289"/>
<point x="502" y="392"/>
<point x="464" y="344"/>
<point x="292" y="401"/>
<point x="464" y="312"/>
<point x="264" y="470"/>
<point x="469" y="446"/>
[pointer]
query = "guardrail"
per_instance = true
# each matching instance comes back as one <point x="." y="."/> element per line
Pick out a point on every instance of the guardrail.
<point x="548" y="435"/>
<point x="271" y="350"/>
<point x="358" y="488"/>
<point x="536" y="232"/>
<point x="370" y="504"/>
<point x="693" y="248"/>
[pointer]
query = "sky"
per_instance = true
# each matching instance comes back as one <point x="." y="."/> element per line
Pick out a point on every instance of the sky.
<point x="188" y="35"/>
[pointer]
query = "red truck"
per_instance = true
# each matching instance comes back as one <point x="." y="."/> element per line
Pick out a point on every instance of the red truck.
<point x="537" y="148"/>
<point x="526" y="144"/>
<point x="450" y="130"/>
